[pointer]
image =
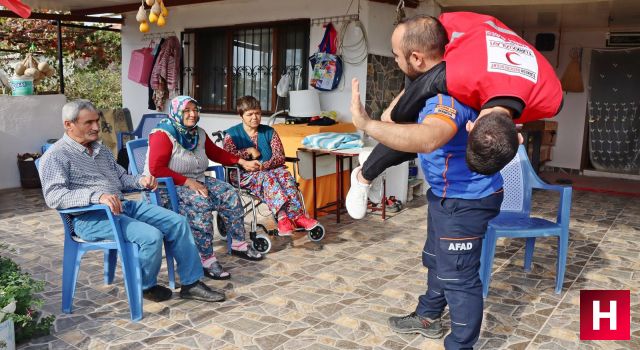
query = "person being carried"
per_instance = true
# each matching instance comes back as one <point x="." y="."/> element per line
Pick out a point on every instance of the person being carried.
<point x="179" y="149"/>
<point x="467" y="78"/>
<point x="78" y="171"/>
<point x="272" y="182"/>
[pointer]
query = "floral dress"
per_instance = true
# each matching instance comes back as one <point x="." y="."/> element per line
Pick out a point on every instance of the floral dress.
<point x="274" y="184"/>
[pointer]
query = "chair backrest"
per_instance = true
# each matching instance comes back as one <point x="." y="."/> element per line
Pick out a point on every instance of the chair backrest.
<point x="147" y="123"/>
<point x="137" y="151"/>
<point x="517" y="190"/>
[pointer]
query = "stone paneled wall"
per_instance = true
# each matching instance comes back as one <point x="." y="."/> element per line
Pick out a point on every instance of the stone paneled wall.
<point x="384" y="82"/>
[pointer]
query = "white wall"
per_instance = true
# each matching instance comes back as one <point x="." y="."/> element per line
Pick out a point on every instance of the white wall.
<point x="26" y="123"/>
<point x="567" y="152"/>
<point x="238" y="12"/>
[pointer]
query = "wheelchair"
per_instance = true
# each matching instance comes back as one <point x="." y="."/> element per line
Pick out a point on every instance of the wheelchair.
<point x="251" y="203"/>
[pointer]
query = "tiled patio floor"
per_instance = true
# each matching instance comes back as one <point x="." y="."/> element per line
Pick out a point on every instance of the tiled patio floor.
<point x="339" y="293"/>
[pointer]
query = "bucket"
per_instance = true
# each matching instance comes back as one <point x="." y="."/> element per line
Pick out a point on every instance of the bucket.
<point x="22" y="86"/>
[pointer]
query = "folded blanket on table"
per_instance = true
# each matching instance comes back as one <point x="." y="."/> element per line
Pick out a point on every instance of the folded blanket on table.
<point x="333" y="140"/>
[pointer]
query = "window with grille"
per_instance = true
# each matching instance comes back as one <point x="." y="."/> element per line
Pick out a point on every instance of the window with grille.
<point x="224" y="63"/>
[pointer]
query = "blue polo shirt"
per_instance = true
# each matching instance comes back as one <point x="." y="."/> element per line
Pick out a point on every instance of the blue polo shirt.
<point x="446" y="168"/>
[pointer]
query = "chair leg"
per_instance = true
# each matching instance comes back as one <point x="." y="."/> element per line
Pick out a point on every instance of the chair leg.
<point x="132" y="279"/>
<point x="563" y="247"/>
<point x="170" y="266"/>
<point x="70" y="269"/>
<point x="528" y="253"/>
<point x="486" y="260"/>
<point x="110" y="261"/>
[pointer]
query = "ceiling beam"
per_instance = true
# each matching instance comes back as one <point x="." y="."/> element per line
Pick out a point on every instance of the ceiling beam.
<point x="407" y="3"/>
<point x="61" y="17"/>
<point x="134" y="6"/>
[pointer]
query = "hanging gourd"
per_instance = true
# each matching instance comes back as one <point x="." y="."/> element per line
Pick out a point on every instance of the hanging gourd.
<point x="153" y="18"/>
<point x="161" y="21"/>
<point x="144" y="27"/>
<point x="150" y="2"/>
<point x="141" y="16"/>
<point x="165" y="12"/>
<point x="156" y="9"/>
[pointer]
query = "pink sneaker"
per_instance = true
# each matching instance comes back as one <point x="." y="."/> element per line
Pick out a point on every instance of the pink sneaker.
<point x="305" y="222"/>
<point x="285" y="227"/>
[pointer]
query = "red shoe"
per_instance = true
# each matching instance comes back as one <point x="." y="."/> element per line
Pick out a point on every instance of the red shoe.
<point x="285" y="227"/>
<point x="305" y="222"/>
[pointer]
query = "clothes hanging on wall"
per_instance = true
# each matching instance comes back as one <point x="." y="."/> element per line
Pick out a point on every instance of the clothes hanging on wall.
<point x="156" y="52"/>
<point x="165" y="76"/>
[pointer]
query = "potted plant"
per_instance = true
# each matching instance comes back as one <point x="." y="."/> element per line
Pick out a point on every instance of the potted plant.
<point x="19" y="302"/>
<point x="7" y="336"/>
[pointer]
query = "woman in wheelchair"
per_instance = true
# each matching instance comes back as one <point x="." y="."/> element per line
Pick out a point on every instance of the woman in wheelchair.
<point x="272" y="182"/>
<point x="179" y="149"/>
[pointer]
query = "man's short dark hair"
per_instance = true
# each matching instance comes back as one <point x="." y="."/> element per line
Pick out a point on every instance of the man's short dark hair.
<point x="424" y="34"/>
<point x="492" y="143"/>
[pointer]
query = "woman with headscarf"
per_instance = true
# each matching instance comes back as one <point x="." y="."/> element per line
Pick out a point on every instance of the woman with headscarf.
<point x="272" y="182"/>
<point x="179" y="149"/>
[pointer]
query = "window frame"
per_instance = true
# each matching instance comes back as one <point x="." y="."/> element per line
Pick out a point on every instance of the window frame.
<point x="229" y="31"/>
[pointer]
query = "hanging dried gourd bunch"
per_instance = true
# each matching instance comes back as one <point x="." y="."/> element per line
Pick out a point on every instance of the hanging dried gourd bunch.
<point x="31" y="68"/>
<point x="158" y="14"/>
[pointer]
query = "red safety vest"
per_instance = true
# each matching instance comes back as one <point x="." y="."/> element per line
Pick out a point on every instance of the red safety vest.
<point x="486" y="59"/>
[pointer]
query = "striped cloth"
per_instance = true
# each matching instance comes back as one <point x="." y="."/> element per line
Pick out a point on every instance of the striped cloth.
<point x="333" y="140"/>
<point x="72" y="178"/>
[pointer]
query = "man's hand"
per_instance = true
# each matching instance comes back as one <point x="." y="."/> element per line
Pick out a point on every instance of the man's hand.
<point x="250" y="165"/>
<point x="148" y="182"/>
<point x="112" y="201"/>
<point x="253" y="152"/>
<point x="197" y="187"/>
<point x="359" y="116"/>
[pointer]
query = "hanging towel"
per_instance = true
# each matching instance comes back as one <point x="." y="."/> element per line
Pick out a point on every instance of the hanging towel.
<point x="333" y="140"/>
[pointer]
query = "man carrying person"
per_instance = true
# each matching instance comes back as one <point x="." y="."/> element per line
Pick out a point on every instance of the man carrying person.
<point x="514" y="78"/>
<point x="461" y="201"/>
<point x="79" y="171"/>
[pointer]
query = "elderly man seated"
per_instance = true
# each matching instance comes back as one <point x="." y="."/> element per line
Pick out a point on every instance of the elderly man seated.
<point x="78" y="171"/>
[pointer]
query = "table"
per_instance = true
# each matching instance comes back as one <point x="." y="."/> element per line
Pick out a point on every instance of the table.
<point x="340" y="156"/>
<point x="291" y="136"/>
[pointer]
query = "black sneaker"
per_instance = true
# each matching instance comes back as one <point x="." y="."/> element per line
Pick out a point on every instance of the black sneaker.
<point x="200" y="291"/>
<point x="157" y="293"/>
<point x="413" y="323"/>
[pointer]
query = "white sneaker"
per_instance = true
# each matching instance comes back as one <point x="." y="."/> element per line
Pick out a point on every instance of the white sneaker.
<point x="356" y="201"/>
<point x="375" y="192"/>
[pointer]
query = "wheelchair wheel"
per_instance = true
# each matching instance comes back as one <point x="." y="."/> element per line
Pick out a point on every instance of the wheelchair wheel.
<point x="222" y="229"/>
<point x="262" y="243"/>
<point x="317" y="233"/>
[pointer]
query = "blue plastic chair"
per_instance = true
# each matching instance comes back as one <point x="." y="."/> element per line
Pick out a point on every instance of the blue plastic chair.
<point x="137" y="152"/>
<point x="147" y="123"/>
<point x="515" y="221"/>
<point x="75" y="247"/>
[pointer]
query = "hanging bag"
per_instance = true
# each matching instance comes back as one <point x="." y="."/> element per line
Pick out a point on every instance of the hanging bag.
<point x="326" y="65"/>
<point x="140" y="65"/>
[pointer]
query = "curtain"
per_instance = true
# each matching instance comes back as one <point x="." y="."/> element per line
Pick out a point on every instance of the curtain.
<point x="614" y="110"/>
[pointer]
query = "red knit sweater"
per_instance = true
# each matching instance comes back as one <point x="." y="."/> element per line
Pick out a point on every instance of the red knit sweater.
<point x="161" y="147"/>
